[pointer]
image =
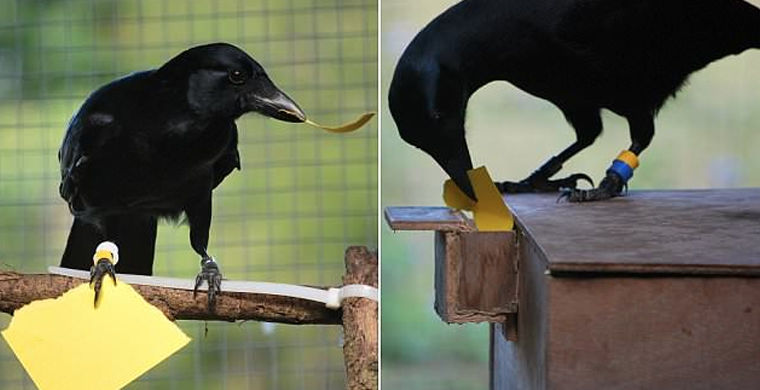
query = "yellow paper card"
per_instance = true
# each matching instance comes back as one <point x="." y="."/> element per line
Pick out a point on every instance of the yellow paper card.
<point x="66" y="343"/>
<point x="455" y="198"/>
<point x="490" y="212"/>
<point x="344" y="128"/>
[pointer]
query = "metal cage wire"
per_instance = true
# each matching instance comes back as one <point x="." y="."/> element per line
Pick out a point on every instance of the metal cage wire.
<point x="302" y="195"/>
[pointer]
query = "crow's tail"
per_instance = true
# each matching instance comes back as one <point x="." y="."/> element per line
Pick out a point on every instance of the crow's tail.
<point x="135" y="235"/>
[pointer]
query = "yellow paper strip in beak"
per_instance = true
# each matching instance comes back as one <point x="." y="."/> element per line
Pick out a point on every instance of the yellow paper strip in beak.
<point x="491" y="213"/>
<point x="347" y="127"/>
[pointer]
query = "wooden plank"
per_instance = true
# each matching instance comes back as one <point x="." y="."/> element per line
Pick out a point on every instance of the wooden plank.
<point x="447" y="247"/>
<point x="509" y="327"/>
<point x="653" y="333"/>
<point x="712" y="232"/>
<point x="427" y="218"/>
<point x="475" y="276"/>
<point x="487" y="274"/>
<point x="522" y="364"/>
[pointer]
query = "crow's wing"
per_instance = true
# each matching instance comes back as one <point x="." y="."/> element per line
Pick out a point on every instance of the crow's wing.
<point x="229" y="160"/>
<point x="86" y="135"/>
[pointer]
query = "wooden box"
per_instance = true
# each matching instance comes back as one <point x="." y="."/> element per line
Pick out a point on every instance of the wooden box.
<point x="654" y="290"/>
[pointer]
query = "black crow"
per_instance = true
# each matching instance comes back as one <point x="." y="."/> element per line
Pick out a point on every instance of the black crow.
<point x="581" y="55"/>
<point x="154" y="144"/>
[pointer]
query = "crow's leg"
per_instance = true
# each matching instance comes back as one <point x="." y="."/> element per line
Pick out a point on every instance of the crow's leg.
<point x="105" y="258"/>
<point x="642" y="130"/>
<point x="587" y="125"/>
<point x="135" y="233"/>
<point x="199" y="218"/>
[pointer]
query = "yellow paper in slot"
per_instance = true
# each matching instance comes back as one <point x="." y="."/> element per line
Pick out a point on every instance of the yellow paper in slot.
<point x="66" y="343"/>
<point x="490" y="212"/>
<point x="455" y="198"/>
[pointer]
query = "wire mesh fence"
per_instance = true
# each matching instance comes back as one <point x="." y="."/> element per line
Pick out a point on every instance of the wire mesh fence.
<point x="302" y="195"/>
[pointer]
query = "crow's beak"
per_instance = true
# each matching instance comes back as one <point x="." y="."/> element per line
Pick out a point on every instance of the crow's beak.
<point x="276" y="104"/>
<point x="457" y="170"/>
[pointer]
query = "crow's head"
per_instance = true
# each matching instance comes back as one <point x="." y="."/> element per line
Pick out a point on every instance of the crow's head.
<point x="428" y="108"/>
<point x="223" y="81"/>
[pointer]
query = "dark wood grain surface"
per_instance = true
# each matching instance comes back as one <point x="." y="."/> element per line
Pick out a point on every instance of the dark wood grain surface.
<point x="682" y="232"/>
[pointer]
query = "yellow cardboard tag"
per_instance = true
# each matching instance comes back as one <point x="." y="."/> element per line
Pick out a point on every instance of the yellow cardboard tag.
<point x="344" y="128"/>
<point x="347" y="127"/>
<point x="66" y="343"/>
<point x="491" y="213"/>
<point x="455" y="198"/>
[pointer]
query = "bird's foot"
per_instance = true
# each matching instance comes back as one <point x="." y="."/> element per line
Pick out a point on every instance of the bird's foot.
<point x="213" y="277"/>
<point x="102" y="267"/>
<point x="611" y="186"/>
<point x="105" y="259"/>
<point x="542" y="184"/>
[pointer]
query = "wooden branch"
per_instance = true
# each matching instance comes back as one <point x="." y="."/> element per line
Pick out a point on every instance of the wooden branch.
<point x="360" y="349"/>
<point x="359" y="315"/>
<point x="17" y="290"/>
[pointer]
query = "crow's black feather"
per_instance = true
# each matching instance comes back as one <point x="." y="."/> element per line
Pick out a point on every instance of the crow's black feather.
<point x="155" y="144"/>
<point x="581" y="55"/>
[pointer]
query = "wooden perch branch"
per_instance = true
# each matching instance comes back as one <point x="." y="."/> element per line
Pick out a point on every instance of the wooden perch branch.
<point x="358" y="316"/>
<point x="17" y="290"/>
<point x="360" y="322"/>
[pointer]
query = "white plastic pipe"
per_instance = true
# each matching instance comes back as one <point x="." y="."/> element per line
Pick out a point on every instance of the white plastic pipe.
<point x="332" y="297"/>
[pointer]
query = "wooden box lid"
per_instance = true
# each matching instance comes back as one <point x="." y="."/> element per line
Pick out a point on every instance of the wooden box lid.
<point x="680" y="232"/>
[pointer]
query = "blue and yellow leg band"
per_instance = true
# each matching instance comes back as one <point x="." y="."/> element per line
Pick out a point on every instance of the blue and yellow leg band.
<point x="624" y="165"/>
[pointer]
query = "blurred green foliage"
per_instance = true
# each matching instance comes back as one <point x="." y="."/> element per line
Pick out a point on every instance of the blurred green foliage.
<point x="302" y="195"/>
<point x="707" y="137"/>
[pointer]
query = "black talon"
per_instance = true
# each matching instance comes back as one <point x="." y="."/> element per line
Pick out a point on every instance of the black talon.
<point x="97" y="272"/>
<point x="583" y="176"/>
<point x="211" y="275"/>
<point x="565" y="194"/>
<point x="571" y="182"/>
<point x="508" y="187"/>
<point x="542" y="184"/>
<point x="612" y="186"/>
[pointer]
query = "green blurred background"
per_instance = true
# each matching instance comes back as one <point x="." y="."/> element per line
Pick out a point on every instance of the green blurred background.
<point x="302" y="196"/>
<point x="708" y="137"/>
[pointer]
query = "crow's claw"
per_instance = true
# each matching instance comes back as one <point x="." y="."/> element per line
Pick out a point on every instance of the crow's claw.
<point x="575" y="178"/>
<point x="510" y="187"/>
<point x="610" y="187"/>
<point x="97" y="272"/>
<point x="211" y="275"/>
<point x="564" y="194"/>
<point x="539" y="184"/>
<point x="575" y="196"/>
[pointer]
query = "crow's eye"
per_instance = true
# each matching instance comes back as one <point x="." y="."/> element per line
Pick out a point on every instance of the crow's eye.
<point x="236" y="76"/>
